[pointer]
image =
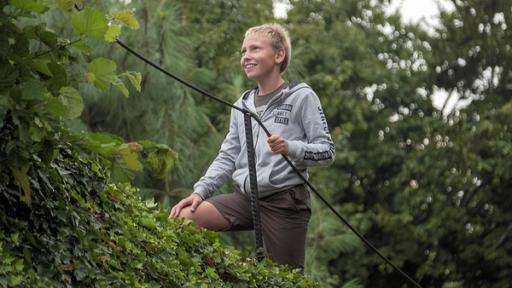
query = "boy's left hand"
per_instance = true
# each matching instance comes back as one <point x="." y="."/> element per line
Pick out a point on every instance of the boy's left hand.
<point x="278" y="144"/>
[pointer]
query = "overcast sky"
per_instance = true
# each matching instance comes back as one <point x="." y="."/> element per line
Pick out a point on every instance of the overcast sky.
<point x="426" y="11"/>
<point x="412" y="10"/>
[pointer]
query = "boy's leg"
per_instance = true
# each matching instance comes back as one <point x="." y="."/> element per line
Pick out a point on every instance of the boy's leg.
<point x="285" y="217"/>
<point x="206" y="216"/>
<point x="222" y="212"/>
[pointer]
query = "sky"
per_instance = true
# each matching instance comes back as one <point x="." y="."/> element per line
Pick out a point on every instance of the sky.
<point x="414" y="11"/>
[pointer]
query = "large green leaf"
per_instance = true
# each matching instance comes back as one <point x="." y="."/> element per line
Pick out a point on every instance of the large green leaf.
<point x="33" y="89"/>
<point x="104" y="143"/>
<point x="102" y="72"/>
<point x="127" y="18"/>
<point x="72" y="101"/>
<point x="112" y="33"/>
<point x="90" y="22"/>
<point x="32" y="5"/>
<point x="69" y="104"/>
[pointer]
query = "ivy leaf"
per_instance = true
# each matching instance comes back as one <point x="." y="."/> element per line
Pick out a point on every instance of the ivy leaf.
<point x="33" y="89"/>
<point x="149" y="223"/>
<point x="112" y="33"/>
<point x="135" y="79"/>
<point x="40" y="65"/>
<point x="8" y="75"/>
<point x="90" y="22"/>
<point x="102" y="72"/>
<point x="20" y="175"/>
<point x="127" y="17"/>
<point x="30" y="5"/>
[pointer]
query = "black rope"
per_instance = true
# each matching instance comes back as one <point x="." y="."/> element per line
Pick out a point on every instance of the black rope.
<point x="253" y="180"/>
<point x="157" y="67"/>
<point x="247" y="112"/>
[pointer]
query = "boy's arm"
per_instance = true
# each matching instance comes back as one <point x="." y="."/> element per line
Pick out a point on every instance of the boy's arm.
<point x="319" y="149"/>
<point x="223" y="166"/>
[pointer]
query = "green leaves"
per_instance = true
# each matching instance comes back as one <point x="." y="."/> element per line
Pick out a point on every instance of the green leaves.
<point x="93" y="23"/>
<point x="33" y="89"/>
<point x="135" y="78"/>
<point x="72" y="101"/>
<point x="126" y="158"/>
<point x="8" y="74"/>
<point x="112" y="33"/>
<point x="20" y="175"/>
<point x="69" y="104"/>
<point x="102" y="73"/>
<point x="126" y="17"/>
<point x="90" y="22"/>
<point x="160" y="159"/>
<point x="116" y="237"/>
<point x="130" y="156"/>
<point x="31" y="5"/>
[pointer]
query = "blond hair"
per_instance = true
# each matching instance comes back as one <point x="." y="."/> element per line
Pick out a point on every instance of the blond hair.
<point x="279" y="38"/>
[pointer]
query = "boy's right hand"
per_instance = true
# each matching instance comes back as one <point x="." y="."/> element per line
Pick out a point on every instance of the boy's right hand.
<point x="193" y="201"/>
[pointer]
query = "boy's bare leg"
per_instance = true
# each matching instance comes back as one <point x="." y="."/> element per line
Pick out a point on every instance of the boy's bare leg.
<point x="206" y="216"/>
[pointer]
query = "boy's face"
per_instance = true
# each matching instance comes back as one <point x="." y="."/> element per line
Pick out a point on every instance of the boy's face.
<point x="259" y="60"/>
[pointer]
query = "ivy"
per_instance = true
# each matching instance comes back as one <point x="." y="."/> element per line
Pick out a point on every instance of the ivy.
<point x="68" y="215"/>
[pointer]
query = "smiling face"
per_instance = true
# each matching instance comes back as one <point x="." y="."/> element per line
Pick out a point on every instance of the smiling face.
<point x="259" y="59"/>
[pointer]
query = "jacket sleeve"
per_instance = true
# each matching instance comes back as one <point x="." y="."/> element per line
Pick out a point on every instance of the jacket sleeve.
<point x="223" y="166"/>
<point x="319" y="149"/>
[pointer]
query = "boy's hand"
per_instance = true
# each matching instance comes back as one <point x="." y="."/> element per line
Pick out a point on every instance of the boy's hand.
<point x="278" y="144"/>
<point x="193" y="201"/>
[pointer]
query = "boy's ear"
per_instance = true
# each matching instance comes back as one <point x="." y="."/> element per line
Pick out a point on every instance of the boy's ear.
<point x="280" y="55"/>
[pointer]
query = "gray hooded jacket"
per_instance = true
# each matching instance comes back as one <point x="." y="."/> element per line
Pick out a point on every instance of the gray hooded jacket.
<point x="296" y="114"/>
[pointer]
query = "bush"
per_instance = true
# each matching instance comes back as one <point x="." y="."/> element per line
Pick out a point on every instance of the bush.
<point x="65" y="224"/>
<point x="68" y="217"/>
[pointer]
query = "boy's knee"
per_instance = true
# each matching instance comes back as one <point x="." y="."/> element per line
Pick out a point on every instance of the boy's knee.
<point x="186" y="213"/>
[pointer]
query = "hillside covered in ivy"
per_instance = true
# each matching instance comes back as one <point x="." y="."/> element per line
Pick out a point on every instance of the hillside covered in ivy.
<point x="69" y="216"/>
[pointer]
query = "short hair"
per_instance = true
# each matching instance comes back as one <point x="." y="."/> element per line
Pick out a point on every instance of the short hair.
<point x="279" y="38"/>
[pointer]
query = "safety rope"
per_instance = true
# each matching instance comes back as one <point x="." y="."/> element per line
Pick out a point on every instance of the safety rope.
<point x="247" y="112"/>
<point x="253" y="180"/>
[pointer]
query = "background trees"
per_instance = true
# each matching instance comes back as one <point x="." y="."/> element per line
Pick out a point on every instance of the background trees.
<point x="426" y="185"/>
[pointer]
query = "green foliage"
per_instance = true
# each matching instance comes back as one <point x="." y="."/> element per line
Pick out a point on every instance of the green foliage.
<point x="90" y="22"/>
<point x="410" y="179"/>
<point x="81" y="230"/>
<point x="68" y="216"/>
<point x="426" y="185"/>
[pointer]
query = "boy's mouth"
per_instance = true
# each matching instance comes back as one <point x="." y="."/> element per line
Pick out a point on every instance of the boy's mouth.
<point x="249" y="66"/>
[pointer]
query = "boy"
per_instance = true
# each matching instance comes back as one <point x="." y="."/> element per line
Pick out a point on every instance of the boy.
<point x="293" y="114"/>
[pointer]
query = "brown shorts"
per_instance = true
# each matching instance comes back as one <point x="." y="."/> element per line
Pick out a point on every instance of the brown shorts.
<point x="284" y="220"/>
